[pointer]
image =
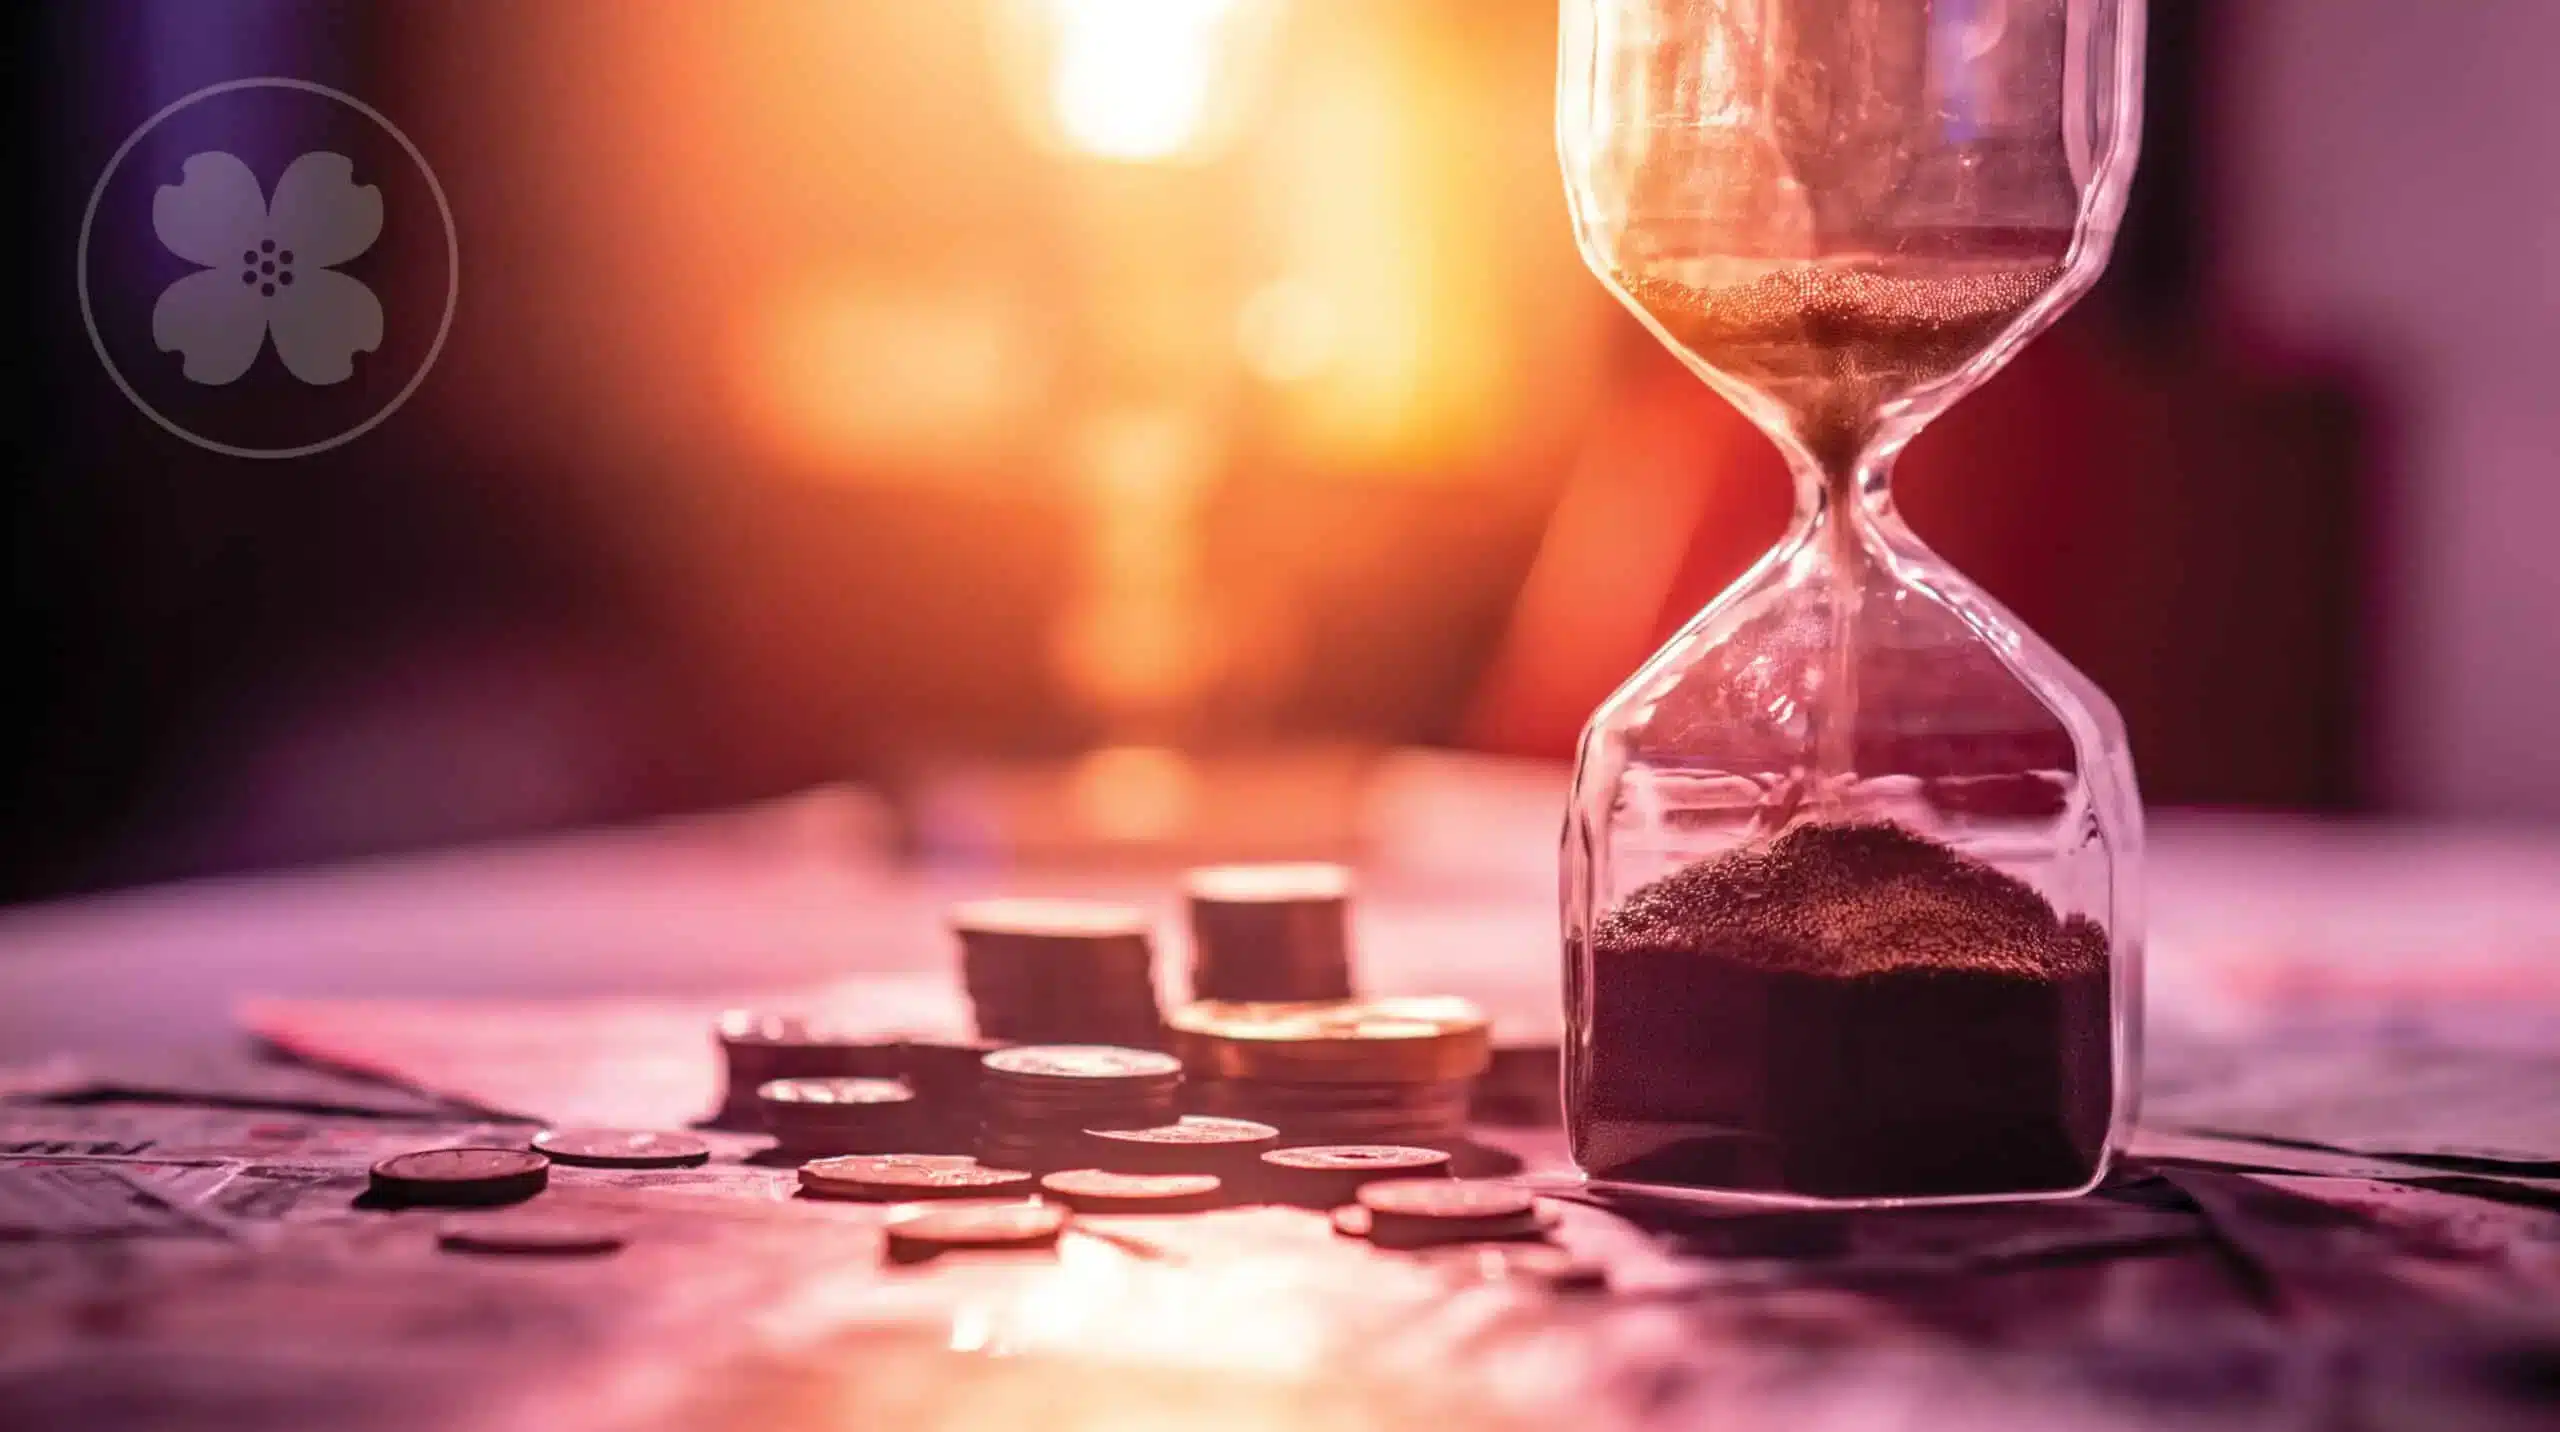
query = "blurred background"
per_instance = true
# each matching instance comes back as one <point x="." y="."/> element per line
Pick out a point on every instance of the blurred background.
<point x="1109" y="423"/>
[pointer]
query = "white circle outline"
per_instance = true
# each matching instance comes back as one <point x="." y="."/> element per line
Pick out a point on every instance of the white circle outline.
<point x="452" y="276"/>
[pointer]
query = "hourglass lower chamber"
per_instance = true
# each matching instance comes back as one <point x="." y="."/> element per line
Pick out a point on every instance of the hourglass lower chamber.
<point x="1851" y="898"/>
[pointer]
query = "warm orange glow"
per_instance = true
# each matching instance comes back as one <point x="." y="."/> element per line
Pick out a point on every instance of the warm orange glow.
<point x="1289" y="331"/>
<point x="1134" y="793"/>
<point x="1133" y="81"/>
<point x="873" y="379"/>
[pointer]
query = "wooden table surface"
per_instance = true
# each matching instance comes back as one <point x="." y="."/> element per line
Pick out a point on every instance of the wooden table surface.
<point x="2347" y="1213"/>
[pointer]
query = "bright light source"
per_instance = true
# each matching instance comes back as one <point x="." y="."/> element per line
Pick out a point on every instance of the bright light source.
<point x="1288" y="331"/>
<point x="1133" y="81"/>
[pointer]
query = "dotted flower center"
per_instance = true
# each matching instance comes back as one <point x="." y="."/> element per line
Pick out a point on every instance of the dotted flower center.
<point x="267" y="266"/>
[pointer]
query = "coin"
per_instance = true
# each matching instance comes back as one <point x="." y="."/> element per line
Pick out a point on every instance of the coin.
<point x="461" y="1176"/>
<point x="1288" y="882"/>
<point x="1451" y="1199"/>
<point x="1418" y="1212"/>
<point x="528" y="1234"/>
<point x="1396" y="1040"/>
<point x="1081" y="1062"/>
<point x="1194" y="1143"/>
<point x="1093" y="1190"/>
<point x="835" y="1091"/>
<point x="1322" y="1176"/>
<point x="1380" y="1160"/>
<point x="1194" y="1130"/>
<point x="1050" y="919"/>
<point x="976" y="1224"/>
<point x="1355" y="1221"/>
<point x="621" y="1148"/>
<point x="761" y="1026"/>
<point x="910" y="1176"/>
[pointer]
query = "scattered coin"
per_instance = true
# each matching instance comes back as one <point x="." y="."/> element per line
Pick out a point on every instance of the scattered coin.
<point x="1093" y="1190"/>
<point x="529" y="1234"/>
<point x="1449" y="1199"/>
<point x="1324" y="1176"/>
<point x="621" y="1148"/>
<point x="461" y="1177"/>
<point x="1194" y="1143"/>
<point x="902" y="1177"/>
<point x="1379" y="1160"/>
<point x="1419" y="1212"/>
<point x="942" y="1227"/>
<point x="1352" y="1220"/>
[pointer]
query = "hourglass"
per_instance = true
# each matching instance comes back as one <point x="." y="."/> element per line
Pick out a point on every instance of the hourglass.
<point x="1852" y="905"/>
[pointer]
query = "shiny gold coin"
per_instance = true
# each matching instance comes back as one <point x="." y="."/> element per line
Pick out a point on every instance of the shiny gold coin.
<point x="1432" y="1038"/>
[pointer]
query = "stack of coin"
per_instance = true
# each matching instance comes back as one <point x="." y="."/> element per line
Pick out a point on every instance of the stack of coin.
<point x="1039" y="1100"/>
<point x="760" y="1046"/>
<point x="1381" y="1071"/>
<point x="1270" y="932"/>
<point x="808" y="1117"/>
<point x="1059" y="972"/>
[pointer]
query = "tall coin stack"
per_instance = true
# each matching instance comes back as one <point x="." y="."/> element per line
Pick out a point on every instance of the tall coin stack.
<point x="1039" y="1100"/>
<point x="1059" y="972"/>
<point x="1270" y="932"/>
<point x="1378" y="1071"/>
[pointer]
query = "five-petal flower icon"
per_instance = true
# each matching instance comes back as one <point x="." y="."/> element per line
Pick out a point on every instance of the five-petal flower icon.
<point x="267" y="268"/>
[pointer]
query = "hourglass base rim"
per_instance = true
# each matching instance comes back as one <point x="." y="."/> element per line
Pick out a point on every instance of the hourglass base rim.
<point x="1573" y="1181"/>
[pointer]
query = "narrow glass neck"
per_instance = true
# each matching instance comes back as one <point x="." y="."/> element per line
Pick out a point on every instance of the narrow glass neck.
<point x="1846" y="491"/>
